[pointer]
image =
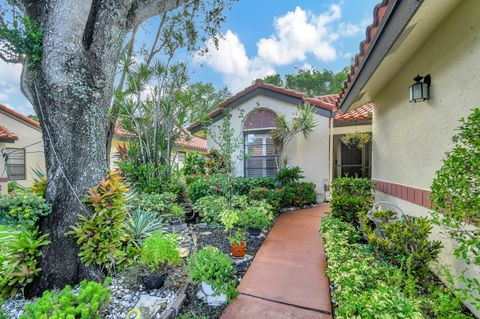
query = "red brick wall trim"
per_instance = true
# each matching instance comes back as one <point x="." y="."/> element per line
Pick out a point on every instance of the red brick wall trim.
<point x="410" y="194"/>
<point x="3" y="180"/>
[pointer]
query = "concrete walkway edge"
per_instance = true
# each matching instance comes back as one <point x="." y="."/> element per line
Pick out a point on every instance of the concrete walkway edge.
<point x="287" y="278"/>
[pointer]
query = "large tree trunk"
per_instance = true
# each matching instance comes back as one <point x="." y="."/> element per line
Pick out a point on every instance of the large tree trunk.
<point x="71" y="91"/>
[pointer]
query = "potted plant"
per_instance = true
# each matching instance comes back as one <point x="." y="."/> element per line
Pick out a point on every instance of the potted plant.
<point x="215" y="272"/>
<point x="237" y="238"/>
<point x="238" y="243"/>
<point x="255" y="218"/>
<point x="159" y="253"/>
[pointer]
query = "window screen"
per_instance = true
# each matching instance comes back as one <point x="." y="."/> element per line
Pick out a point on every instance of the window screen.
<point x="260" y="156"/>
<point x="16" y="163"/>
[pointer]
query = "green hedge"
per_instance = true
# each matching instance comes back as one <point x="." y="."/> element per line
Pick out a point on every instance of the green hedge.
<point x="201" y="186"/>
<point x="364" y="286"/>
<point x="351" y="196"/>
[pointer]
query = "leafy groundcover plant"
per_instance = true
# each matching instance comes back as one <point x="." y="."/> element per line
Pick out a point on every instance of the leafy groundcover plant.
<point x="90" y="301"/>
<point x="364" y="286"/>
<point x="215" y="268"/>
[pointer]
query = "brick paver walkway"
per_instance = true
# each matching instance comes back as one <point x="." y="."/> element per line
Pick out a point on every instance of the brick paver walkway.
<point x="287" y="277"/>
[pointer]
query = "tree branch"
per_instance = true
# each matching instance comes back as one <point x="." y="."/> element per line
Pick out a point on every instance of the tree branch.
<point x="142" y="10"/>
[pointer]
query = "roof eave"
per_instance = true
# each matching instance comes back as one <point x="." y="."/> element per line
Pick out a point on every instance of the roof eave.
<point x="397" y="17"/>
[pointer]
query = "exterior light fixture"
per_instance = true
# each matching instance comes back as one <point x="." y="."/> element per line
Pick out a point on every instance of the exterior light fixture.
<point x="420" y="90"/>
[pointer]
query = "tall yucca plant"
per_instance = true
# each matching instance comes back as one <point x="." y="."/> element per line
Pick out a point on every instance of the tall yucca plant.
<point x="304" y="122"/>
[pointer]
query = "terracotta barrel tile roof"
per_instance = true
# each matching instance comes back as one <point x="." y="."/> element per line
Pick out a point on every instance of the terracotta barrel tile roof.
<point x="363" y="112"/>
<point x="5" y="134"/>
<point x="192" y="142"/>
<point x="19" y="116"/>
<point x="371" y="32"/>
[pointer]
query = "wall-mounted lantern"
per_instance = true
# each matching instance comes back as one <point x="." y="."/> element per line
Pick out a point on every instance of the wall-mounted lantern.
<point x="420" y="90"/>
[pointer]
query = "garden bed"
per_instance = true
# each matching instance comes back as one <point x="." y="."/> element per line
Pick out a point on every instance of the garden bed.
<point x="215" y="236"/>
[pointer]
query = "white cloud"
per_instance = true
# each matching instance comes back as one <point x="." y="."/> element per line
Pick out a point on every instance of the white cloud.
<point x="10" y="93"/>
<point x="297" y="35"/>
<point x="231" y="60"/>
<point x="350" y="29"/>
<point x="300" y="33"/>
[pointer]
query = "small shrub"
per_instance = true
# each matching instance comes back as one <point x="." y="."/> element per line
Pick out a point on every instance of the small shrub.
<point x="219" y="184"/>
<point x="194" y="164"/>
<point x="103" y="234"/>
<point x="155" y="202"/>
<point x="299" y="194"/>
<point x="141" y="224"/>
<point x="18" y="258"/>
<point x="256" y="216"/>
<point x="349" y="186"/>
<point x="215" y="268"/>
<point x="90" y="302"/>
<point x="176" y="211"/>
<point x="160" y="251"/>
<point x="237" y="237"/>
<point x="289" y="175"/>
<point x="407" y="241"/>
<point x="347" y="208"/>
<point x="23" y="209"/>
<point x="210" y="208"/>
<point x="273" y="197"/>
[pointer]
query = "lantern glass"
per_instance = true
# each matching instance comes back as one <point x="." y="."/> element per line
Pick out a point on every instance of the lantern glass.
<point x="419" y="92"/>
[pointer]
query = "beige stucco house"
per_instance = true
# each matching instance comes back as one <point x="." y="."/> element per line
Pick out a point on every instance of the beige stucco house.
<point x="439" y="38"/>
<point x="20" y="141"/>
<point x="253" y="112"/>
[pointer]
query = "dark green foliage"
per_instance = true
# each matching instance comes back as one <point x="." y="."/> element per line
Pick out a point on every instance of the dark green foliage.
<point x="365" y="286"/>
<point x="311" y="82"/>
<point x="299" y="194"/>
<point x="347" y="208"/>
<point x="20" y="37"/>
<point x="23" y="209"/>
<point x="92" y="299"/>
<point x="154" y="202"/>
<point x="215" y="268"/>
<point x="160" y="251"/>
<point x="406" y="241"/>
<point x="456" y="189"/>
<point x="350" y="197"/>
<point x="142" y="177"/>
<point x="361" y="187"/>
<point x="289" y="175"/>
<point x="19" y="252"/>
<point x="210" y="208"/>
<point x="271" y="196"/>
<point x="218" y="184"/>
<point x="194" y="164"/>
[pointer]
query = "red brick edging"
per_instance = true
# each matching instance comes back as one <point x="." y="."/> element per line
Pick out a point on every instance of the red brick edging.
<point x="410" y="194"/>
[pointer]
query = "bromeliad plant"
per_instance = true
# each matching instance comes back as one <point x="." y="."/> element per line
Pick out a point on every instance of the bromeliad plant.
<point x="18" y="258"/>
<point x="103" y="234"/>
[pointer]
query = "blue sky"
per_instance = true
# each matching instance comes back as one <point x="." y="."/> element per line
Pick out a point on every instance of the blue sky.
<point x="260" y="37"/>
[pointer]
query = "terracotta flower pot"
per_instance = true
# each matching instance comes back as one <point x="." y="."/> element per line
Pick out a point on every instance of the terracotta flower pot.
<point x="239" y="251"/>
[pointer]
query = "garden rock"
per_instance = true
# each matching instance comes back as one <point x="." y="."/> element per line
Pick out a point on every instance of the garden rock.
<point x="183" y="252"/>
<point x="149" y="306"/>
<point x="206" y="294"/>
<point x="245" y="259"/>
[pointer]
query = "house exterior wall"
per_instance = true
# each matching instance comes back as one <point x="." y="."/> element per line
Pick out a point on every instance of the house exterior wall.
<point x="27" y="135"/>
<point x="311" y="155"/>
<point x="410" y="139"/>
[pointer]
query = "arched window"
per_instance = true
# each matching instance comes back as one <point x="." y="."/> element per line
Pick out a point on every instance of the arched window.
<point x="261" y="119"/>
<point x="260" y="160"/>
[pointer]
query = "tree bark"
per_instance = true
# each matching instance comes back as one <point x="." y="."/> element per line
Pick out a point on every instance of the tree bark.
<point x="71" y="92"/>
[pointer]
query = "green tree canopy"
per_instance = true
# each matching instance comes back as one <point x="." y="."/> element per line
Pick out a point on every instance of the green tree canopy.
<point x="311" y="82"/>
